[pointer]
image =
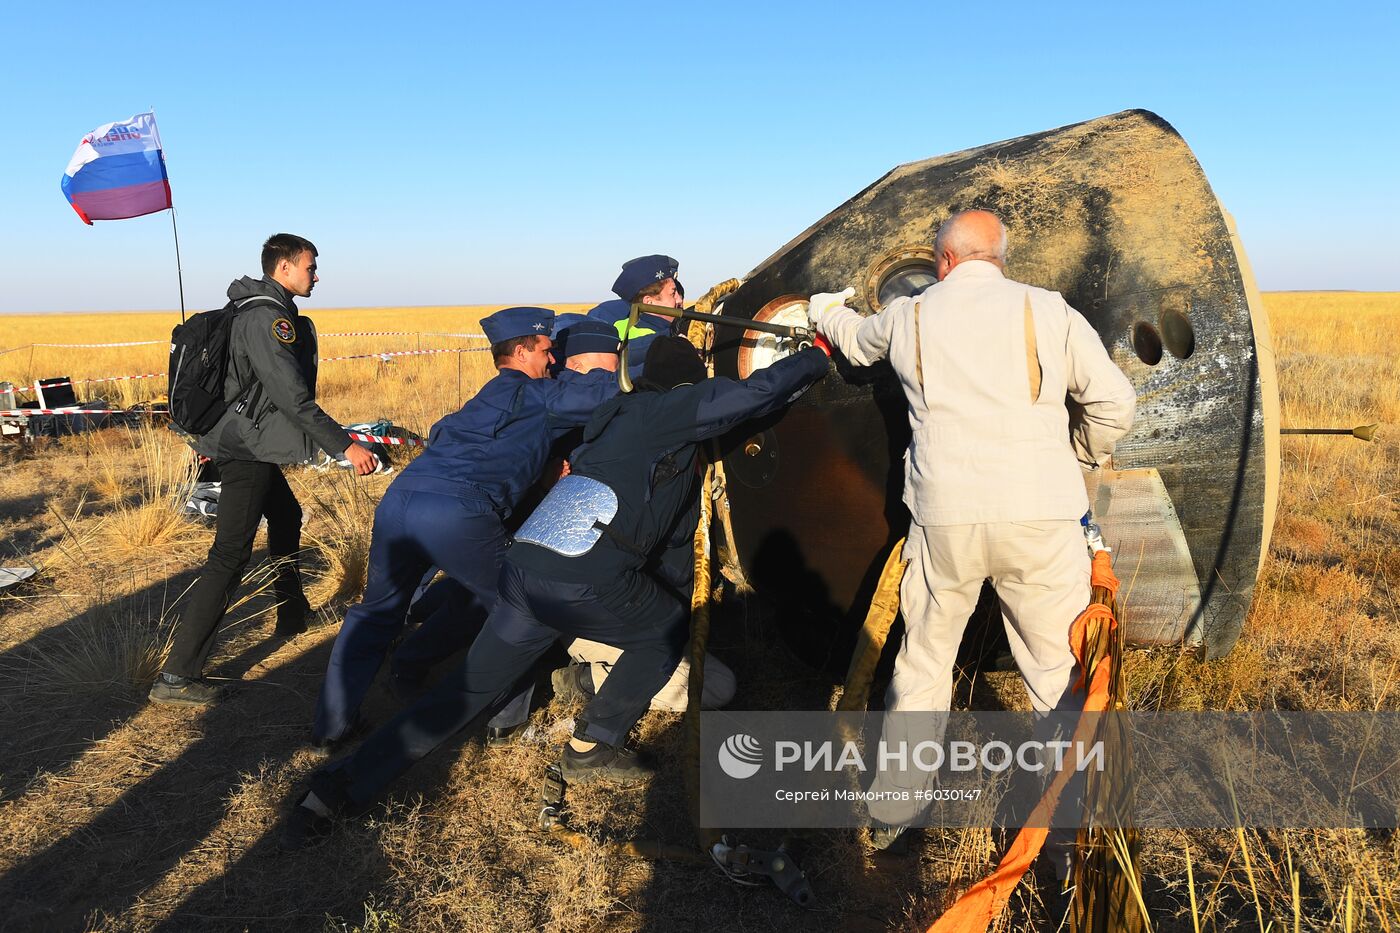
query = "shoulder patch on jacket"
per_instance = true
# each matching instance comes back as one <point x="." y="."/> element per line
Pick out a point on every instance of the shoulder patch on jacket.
<point x="283" y="330"/>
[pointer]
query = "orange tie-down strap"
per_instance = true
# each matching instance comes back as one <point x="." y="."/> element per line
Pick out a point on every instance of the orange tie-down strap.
<point x="985" y="900"/>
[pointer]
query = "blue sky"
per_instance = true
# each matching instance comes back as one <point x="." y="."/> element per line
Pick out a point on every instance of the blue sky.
<point x="450" y="154"/>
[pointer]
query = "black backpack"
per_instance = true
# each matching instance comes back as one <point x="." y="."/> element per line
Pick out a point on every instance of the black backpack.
<point x="199" y="350"/>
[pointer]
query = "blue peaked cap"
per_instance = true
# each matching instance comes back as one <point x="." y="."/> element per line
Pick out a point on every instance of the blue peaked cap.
<point x="588" y="336"/>
<point x="610" y="311"/>
<point x="563" y="322"/>
<point x="517" y="322"/>
<point x="638" y="273"/>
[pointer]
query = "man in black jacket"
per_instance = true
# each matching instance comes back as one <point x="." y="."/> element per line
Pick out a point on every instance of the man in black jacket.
<point x="272" y="419"/>
<point x="602" y="558"/>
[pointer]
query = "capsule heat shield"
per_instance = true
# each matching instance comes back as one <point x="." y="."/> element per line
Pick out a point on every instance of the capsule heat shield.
<point x="1115" y="214"/>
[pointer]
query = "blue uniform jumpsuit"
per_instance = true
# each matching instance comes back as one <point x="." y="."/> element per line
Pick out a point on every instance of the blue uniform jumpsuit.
<point x="645" y="447"/>
<point x="446" y="510"/>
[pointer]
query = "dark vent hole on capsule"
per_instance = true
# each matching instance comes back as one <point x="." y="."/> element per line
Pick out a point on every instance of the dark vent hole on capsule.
<point x="1147" y="343"/>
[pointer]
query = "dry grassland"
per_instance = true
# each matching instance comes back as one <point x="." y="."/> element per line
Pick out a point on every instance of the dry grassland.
<point x="118" y="816"/>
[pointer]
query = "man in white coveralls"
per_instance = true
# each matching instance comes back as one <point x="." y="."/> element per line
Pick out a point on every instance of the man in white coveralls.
<point x="993" y="473"/>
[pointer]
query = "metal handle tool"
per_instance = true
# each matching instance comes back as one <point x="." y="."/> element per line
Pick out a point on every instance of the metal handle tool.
<point x="637" y="309"/>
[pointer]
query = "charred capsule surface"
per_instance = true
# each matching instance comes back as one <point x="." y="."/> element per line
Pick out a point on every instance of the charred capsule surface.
<point x="1114" y="213"/>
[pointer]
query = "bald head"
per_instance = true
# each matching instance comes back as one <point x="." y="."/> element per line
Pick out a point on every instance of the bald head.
<point x="587" y="362"/>
<point x="970" y="235"/>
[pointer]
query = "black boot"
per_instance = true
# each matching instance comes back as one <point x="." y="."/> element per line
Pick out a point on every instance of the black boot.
<point x="327" y="748"/>
<point x="317" y="812"/>
<point x="573" y="683"/>
<point x="291" y="616"/>
<point x="173" y="690"/>
<point x="604" y="763"/>
<point x="892" y="840"/>
<point x="306" y="824"/>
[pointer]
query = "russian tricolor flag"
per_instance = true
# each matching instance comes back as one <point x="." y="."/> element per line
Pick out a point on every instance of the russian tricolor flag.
<point x="118" y="172"/>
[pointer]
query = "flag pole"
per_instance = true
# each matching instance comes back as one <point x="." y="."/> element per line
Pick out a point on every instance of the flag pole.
<point x="179" y="272"/>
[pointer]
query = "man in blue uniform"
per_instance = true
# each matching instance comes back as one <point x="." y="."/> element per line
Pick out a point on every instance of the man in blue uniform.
<point x="448" y="613"/>
<point x="447" y="507"/>
<point x="648" y="280"/>
<point x="582" y="345"/>
<point x="600" y="558"/>
<point x="562" y="322"/>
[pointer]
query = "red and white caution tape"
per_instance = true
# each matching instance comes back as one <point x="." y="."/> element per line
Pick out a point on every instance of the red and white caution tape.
<point x="373" y="333"/>
<point x="151" y="343"/>
<point x="79" y="382"/>
<point x="24" y="412"/>
<point x="394" y="441"/>
<point x="92" y="346"/>
<point x="386" y="356"/>
<point x="328" y="359"/>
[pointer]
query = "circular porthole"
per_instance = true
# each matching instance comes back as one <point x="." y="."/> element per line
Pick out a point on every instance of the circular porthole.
<point x="1147" y="343"/>
<point x="1177" y="334"/>
<point x="901" y="274"/>
<point x="757" y="349"/>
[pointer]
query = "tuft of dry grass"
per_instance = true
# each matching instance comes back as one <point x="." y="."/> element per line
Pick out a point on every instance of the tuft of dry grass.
<point x="146" y="504"/>
<point x="338" y="541"/>
<point x="107" y="647"/>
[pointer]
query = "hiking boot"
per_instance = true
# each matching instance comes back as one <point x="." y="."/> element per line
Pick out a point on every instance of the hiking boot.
<point x="172" y="690"/>
<point x="501" y="736"/>
<point x="892" y="840"/>
<point x="604" y="763"/>
<point x="328" y="748"/>
<point x="303" y="827"/>
<point x="573" y="683"/>
<point x="291" y="618"/>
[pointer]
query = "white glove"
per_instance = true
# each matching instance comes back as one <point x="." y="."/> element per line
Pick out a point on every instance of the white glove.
<point x="381" y="467"/>
<point x="819" y="305"/>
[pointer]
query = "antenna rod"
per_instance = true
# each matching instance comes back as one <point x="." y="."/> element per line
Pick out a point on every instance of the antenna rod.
<point x="1363" y="432"/>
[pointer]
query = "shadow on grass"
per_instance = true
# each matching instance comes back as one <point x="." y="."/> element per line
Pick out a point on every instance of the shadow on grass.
<point x="52" y="721"/>
<point x="62" y="694"/>
<point x="106" y="867"/>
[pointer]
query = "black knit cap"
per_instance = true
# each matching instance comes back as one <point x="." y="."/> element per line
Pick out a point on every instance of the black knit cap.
<point x="671" y="362"/>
